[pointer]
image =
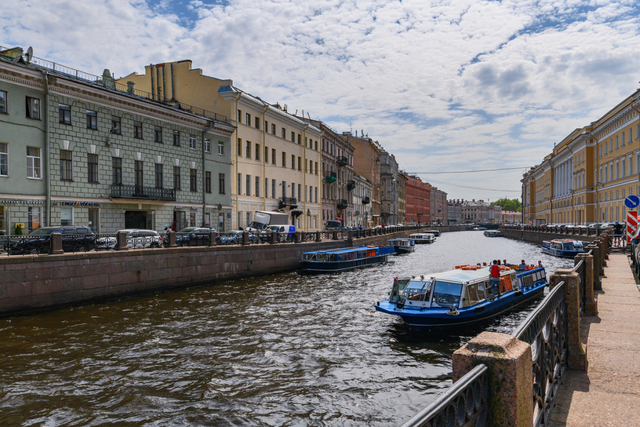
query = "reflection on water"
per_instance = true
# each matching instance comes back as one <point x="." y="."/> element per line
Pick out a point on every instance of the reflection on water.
<point x="278" y="350"/>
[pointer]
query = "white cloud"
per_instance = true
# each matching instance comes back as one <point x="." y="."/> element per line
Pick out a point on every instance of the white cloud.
<point x="441" y="84"/>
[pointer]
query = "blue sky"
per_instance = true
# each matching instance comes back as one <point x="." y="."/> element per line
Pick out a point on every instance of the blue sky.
<point x="443" y="85"/>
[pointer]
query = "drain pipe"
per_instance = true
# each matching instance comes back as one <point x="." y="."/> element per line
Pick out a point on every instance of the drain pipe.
<point x="204" y="173"/>
<point x="47" y="168"/>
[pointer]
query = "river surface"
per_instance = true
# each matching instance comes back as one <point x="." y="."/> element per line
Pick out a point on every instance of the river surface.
<point x="283" y="350"/>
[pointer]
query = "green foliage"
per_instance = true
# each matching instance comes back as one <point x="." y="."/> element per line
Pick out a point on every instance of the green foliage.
<point x="18" y="230"/>
<point x="509" y="204"/>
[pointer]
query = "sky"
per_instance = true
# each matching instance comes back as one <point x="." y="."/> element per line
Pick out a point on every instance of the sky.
<point x="445" y="86"/>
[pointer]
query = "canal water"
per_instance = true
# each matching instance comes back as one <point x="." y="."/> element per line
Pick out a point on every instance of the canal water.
<point x="284" y="350"/>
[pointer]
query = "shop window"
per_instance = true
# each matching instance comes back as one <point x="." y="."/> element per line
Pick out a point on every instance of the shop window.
<point x="33" y="108"/>
<point x="34" y="218"/>
<point x="92" y="120"/>
<point x="66" y="216"/>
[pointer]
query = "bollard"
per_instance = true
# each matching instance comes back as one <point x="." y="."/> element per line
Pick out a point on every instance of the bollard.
<point x="56" y="244"/>
<point x="121" y="241"/>
<point x="350" y="235"/>
<point x="603" y="245"/>
<point x="597" y="267"/>
<point x="318" y="238"/>
<point x="298" y="237"/>
<point x="171" y="238"/>
<point x="510" y="379"/>
<point x="212" y="238"/>
<point x="577" y="352"/>
<point x="274" y="237"/>
<point x="590" y="303"/>
<point x="335" y="235"/>
<point x="245" y="238"/>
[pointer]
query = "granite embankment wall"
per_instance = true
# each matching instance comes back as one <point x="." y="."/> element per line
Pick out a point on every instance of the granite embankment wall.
<point x="539" y="236"/>
<point x="32" y="282"/>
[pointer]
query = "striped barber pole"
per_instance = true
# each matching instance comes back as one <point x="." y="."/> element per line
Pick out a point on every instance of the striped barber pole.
<point x="632" y="224"/>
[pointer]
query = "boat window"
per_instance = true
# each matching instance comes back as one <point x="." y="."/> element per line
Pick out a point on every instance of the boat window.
<point x="309" y="257"/>
<point x="416" y="291"/>
<point x="484" y="289"/>
<point x="399" y="286"/>
<point x="505" y="283"/>
<point x="332" y="257"/>
<point x="473" y="294"/>
<point x="446" y="294"/>
<point x="323" y="257"/>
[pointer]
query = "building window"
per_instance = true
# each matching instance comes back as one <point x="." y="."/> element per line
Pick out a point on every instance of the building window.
<point x="284" y="189"/>
<point x="207" y="145"/>
<point x="239" y="148"/>
<point x="157" y="134"/>
<point x="64" y="113"/>
<point x="220" y="148"/>
<point x="221" y="189"/>
<point x="257" y="152"/>
<point x="266" y="187"/>
<point x="207" y="182"/>
<point x="257" y="122"/>
<point x="266" y="126"/>
<point x="4" y="159"/>
<point x="293" y="136"/>
<point x="92" y="120"/>
<point x="66" y="216"/>
<point x="293" y="162"/>
<point x="192" y="141"/>
<point x="316" y="191"/>
<point x="248" y="119"/>
<point x="92" y="168"/>
<point x="139" y="173"/>
<point x="247" y="152"/>
<point x="299" y="139"/>
<point x="115" y="125"/>
<point x="34" y="218"/>
<point x="3" y="102"/>
<point x="316" y="168"/>
<point x="239" y="189"/>
<point x="273" y="156"/>
<point x="257" y="186"/>
<point x="137" y="130"/>
<point x="273" y="129"/>
<point x="193" y="179"/>
<point x="116" y="169"/>
<point x="299" y="163"/>
<point x="284" y="159"/>
<point x="316" y="146"/>
<point x="239" y="116"/>
<point x="266" y="154"/>
<point x="284" y="133"/>
<point x="248" y="187"/>
<point x="33" y="108"/>
<point x="159" y="175"/>
<point x="176" y="178"/>
<point x="66" y="164"/>
<point x="273" y="188"/>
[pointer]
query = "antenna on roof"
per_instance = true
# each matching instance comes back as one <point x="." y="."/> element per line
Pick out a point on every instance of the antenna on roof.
<point x="296" y="113"/>
<point x="308" y="115"/>
<point x="29" y="54"/>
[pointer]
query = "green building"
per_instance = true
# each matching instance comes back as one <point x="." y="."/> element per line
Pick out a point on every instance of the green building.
<point x="81" y="149"/>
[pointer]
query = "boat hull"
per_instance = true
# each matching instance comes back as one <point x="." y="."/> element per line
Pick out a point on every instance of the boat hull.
<point x="559" y="253"/>
<point x="430" y="318"/>
<point x="405" y="250"/>
<point x="346" y="265"/>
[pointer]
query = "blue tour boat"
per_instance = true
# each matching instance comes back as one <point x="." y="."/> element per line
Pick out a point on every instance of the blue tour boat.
<point x="343" y="259"/>
<point x="459" y="297"/>
<point x="566" y="248"/>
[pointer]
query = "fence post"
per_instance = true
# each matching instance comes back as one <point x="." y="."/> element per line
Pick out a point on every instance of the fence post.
<point x="121" y="241"/>
<point x="318" y="238"/>
<point x="245" y="238"/>
<point x="171" y="238"/>
<point x="603" y="246"/>
<point x="350" y="235"/>
<point x="590" y="303"/>
<point x="274" y="237"/>
<point x="335" y="235"/>
<point x="212" y="238"/>
<point x="298" y="237"/>
<point x="56" y="244"/>
<point x="510" y="380"/>
<point x="577" y="352"/>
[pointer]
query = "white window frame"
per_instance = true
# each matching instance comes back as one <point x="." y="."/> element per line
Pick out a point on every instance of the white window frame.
<point x="192" y="142"/>
<point x="35" y="163"/>
<point x="207" y="145"/>
<point x="3" y="102"/>
<point x="4" y="158"/>
<point x="33" y="107"/>
<point x="220" y="148"/>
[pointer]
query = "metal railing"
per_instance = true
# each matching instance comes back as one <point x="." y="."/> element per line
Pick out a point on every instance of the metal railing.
<point x="138" y="192"/>
<point x="545" y="329"/>
<point x="464" y="404"/>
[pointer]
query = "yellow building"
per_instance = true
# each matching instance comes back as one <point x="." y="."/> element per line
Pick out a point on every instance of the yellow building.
<point x="275" y="155"/>
<point x="588" y="175"/>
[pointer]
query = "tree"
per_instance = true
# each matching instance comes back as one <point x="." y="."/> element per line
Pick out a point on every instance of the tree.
<point x="509" y="204"/>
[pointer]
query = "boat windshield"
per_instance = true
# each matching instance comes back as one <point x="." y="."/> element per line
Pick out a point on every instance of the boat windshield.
<point x="416" y="291"/>
<point x="399" y="285"/>
<point x="309" y="257"/>
<point x="446" y="294"/>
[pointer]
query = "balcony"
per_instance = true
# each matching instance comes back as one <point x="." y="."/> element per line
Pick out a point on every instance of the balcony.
<point x="342" y="161"/>
<point x="342" y="204"/>
<point x="291" y="202"/>
<point x="385" y="169"/>
<point x="365" y="200"/>
<point x="331" y="177"/>
<point x="137" y="192"/>
<point x="351" y="185"/>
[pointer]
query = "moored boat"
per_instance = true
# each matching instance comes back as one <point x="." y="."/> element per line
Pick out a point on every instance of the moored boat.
<point x="403" y="245"/>
<point x="459" y="297"/>
<point x="343" y="259"/>
<point x="493" y="233"/>
<point x="423" y="237"/>
<point x="436" y="233"/>
<point x="566" y="248"/>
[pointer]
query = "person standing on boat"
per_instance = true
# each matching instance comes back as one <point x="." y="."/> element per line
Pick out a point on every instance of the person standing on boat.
<point x="495" y="278"/>
<point x="522" y="266"/>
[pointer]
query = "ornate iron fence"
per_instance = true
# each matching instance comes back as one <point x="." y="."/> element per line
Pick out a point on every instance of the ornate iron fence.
<point x="545" y="329"/>
<point x="464" y="404"/>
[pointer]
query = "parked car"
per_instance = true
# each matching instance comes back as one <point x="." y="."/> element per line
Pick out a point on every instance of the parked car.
<point x="74" y="239"/>
<point x="285" y="232"/>
<point x="235" y="238"/>
<point x="193" y="236"/>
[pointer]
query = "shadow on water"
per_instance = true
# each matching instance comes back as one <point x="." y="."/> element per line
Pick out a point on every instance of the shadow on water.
<point x="281" y="350"/>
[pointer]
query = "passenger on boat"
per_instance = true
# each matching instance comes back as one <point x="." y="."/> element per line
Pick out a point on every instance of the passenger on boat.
<point x="539" y="264"/>
<point x="495" y="278"/>
<point x="522" y="266"/>
<point x="504" y="262"/>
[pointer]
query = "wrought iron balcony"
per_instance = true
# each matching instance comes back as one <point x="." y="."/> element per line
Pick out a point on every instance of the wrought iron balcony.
<point x="137" y="192"/>
<point x="342" y="204"/>
<point x="292" y="202"/>
<point x="342" y="161"/>
<point x="331" y="177"/>
<point x="365" y="200"/>
<point x="351" y="185"/>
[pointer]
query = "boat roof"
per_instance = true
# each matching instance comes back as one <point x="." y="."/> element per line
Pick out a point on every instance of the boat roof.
<point x="566" y="240"/>
<point x="342" y="250"/>
<point x="421" y="234"/>
<point x="458" y="275"/>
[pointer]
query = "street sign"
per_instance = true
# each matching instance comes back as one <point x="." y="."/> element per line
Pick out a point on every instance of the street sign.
<point x="632" y="224"/>
<point x="632" y="201"/>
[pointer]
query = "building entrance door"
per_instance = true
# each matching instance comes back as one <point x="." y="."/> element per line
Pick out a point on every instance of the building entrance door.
<point x="179" y="220"/>
<point x="135" y="219"/>
<point x="94" y="220"/>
